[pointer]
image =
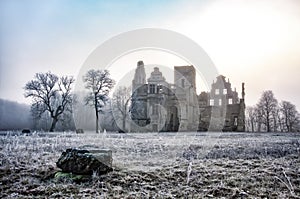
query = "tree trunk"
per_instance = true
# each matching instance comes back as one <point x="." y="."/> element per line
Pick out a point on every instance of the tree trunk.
<point x="124" y="115"/>
<point x="97" y="118"/>
<point x="259" y="127"/>
<point x="287" y="123"/>
<point x="123" y="124"/>
<point x="54" y="121"/>
<point x="268" y="124"/>
<point x="97" y="113"/>
<point x="97" y="122"/>
<point x="276" y="120"/>
<point x="280" y="126"/>
<point x="252" y="125"/>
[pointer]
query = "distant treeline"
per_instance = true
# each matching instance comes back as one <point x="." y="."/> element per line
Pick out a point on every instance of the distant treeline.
<point x="17" y="116"/>
<point x="14" y="115"/>
<point x="270" y="116"/>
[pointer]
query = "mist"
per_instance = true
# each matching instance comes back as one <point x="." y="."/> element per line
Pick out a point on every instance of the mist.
<point x="14" y="116"/>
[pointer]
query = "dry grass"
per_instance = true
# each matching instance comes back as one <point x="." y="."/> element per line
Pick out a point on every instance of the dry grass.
<point x="157" y="165"/>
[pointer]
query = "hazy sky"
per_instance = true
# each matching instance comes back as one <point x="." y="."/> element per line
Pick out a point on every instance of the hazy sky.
<point x="256" y="42"/>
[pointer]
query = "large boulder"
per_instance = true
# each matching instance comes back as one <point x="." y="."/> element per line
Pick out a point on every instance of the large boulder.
<point x="85" y="162"/>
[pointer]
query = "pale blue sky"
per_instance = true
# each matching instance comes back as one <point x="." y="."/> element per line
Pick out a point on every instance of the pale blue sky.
<point x="37" y="36"/>
<point x="256" y="42"/>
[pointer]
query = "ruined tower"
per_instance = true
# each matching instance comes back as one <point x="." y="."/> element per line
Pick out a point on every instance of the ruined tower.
<point x="185" y="83"/>
<point x="241" y="117"/>
<point x="139" y="96"/>
<point x="139" y="76"/>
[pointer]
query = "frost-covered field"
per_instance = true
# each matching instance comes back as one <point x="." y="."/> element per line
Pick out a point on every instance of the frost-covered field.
<point x="156" y="165"/>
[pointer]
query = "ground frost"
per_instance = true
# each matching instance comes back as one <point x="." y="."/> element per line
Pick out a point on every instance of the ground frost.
<point x="156" y="165"/>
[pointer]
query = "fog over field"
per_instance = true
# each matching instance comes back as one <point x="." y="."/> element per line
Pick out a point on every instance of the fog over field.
<point x="14" y="115"/>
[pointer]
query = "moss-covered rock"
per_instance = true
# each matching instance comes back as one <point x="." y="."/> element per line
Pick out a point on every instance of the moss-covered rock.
<point x="73" y="177"/>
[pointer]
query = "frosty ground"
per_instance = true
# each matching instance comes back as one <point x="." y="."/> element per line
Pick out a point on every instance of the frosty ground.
<point x="156" y="165"/>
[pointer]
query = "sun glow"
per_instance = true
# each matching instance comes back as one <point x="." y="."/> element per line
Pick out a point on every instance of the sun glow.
<point x="247" y="40"/>
<point x="245" y="31"/>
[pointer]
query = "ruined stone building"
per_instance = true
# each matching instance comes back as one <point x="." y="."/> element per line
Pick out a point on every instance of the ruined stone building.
<point x="157" y="105"/>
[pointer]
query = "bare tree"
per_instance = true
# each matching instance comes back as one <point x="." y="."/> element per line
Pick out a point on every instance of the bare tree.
<point x="121" y="103"/>
<point x="276" y="122"/>
<point x="290" y="115"/>
<point x="280" y="120"/>
<point x="50" y="93"/>
<point x="108" y="120"/>
<point x="254" y="118"/>
<point x="99" y="84"/>
<point x="267" y="105"/>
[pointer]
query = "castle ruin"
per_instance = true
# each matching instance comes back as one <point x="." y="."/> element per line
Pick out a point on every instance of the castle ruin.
<point x="157" y="105"/>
